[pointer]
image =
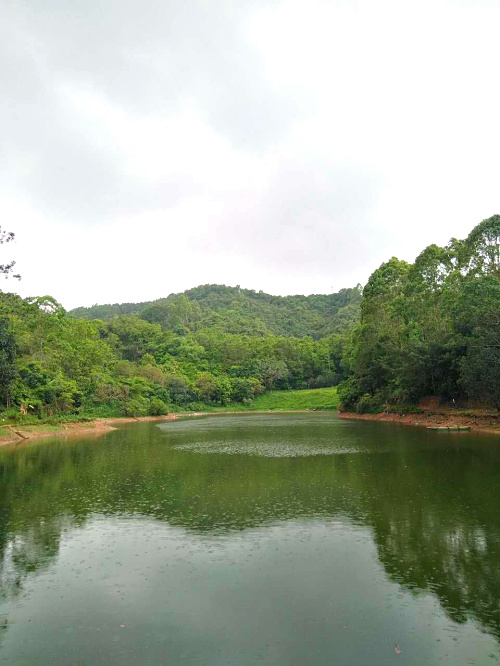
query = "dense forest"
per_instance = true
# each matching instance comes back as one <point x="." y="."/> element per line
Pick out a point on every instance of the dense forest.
<point x="242" y="312"/>
<point x="212" y="345"/>
<point x="431" y="328"/>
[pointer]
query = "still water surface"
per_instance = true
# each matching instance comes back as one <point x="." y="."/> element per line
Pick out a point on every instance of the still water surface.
<point x="255" y="539"/>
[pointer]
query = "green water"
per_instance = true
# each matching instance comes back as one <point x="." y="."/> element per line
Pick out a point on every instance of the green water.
<point x="252" y="539"/>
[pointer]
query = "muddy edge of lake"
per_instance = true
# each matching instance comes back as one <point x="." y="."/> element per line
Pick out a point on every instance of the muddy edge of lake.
<point x="15" y="434"/>
<point x="478" y="420"/>
<point x="18" y="434"/>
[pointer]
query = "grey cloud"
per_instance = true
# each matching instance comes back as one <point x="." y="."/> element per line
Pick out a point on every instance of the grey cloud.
<point x="359" y="94"/>
<point x="313" y="215"/>
<point x="146" y="55"/>
<point x="145" y="58"/>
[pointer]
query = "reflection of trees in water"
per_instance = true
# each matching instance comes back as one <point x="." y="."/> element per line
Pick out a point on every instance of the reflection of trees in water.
<point x="459" y="566"/>
<point x="30" y="551"/>
<point x="439" y="531"/>
<point x="27" y="552"/>
<point x="432" y="513"/>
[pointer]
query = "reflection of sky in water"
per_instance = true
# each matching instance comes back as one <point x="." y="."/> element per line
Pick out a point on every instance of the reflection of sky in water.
<point x="298" y="548"/>
<point x="299" y="592"/>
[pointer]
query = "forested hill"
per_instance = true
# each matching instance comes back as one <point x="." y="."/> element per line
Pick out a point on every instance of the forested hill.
<point x="210" y="345"/>
<point x="241" y="311"/>
<point x="431" y="328"/>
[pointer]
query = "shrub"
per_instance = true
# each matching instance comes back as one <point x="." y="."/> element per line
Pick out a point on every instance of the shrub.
<point x="157" y="407"/>
<point x="136" y="407"/>
<point x="369" y="404"/>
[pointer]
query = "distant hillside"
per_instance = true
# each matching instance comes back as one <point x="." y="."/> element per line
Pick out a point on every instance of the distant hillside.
<point x="241" y="311"/>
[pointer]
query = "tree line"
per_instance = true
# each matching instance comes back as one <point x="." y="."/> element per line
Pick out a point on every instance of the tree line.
<point x="211" y="346"/>
<point x="431" y="328"/>
<point x="241" y="311"/>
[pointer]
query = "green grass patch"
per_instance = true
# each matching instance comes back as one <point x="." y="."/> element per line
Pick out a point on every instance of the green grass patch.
<point x="17" y="419"/>
<point x="322" y="398"/>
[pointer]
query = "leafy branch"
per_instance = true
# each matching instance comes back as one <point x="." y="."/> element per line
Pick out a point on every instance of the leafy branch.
<point x="6" y="269"/>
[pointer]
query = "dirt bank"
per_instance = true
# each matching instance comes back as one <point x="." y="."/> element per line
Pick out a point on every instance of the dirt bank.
<point x="478" y="420"/>
<point x="17" y="434"/>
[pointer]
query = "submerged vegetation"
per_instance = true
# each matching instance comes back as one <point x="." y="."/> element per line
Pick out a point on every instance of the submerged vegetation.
<point x="431" y="328"/>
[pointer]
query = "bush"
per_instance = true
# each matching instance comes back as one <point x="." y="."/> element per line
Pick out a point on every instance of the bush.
<point x="244" y="389"/>
<point x="349" y="395"/>
<point x="13" y="415"/>
<point x="181" y="393"/>
<point x="106" y="393"/>
<point x="157" y="407"/>
<point x="369" y="404"/>
<point x="136" y="407"/>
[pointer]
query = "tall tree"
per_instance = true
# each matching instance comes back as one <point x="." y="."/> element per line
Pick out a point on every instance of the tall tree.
<point x="483" y="244"/>
<point x="7" y="362"/>
<point x="430" y="328"/>
<point x="6" y="269"/>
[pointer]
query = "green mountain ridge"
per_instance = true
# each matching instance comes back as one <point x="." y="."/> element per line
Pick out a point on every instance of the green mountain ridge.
<point x="241" y="311"/>
<point x="427" y="329"/>
<point x="209" y="346"/>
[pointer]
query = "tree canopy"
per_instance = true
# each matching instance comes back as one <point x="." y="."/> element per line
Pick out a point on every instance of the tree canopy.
<point x="210" y="346"/>
<point x="241" y="311"/>
<point x="431" y="328"/>
<point x="7" y="268"/>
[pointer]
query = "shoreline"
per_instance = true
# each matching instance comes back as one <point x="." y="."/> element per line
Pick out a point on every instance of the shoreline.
<point x="16" y="434"/>
<point x="480" y="420"/>
<point x="19" y="434"/>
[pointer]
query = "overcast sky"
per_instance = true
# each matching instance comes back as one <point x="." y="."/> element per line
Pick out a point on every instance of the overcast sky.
<point x="150" y="146"/>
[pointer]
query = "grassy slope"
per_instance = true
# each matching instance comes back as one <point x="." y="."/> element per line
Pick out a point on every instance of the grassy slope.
<point x="323" y="398"/>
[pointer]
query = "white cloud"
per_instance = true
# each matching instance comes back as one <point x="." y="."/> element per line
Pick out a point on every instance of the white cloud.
<point x="287" y="146"/>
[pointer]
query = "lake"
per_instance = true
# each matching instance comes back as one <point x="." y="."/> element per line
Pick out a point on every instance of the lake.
<point x="274" y="539"/>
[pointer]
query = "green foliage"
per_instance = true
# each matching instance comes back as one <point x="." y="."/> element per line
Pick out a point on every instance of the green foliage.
<point x="430" y="328"/>
<point x="179" y="354"/>
<point x="427" y="328"/>
<point x="157" y="407"/>
<point x="368" y="404"/>
<point x="478" y="319"/>
<point x="241" y="312"/>
<point x="324" y="398"/>
<point x="483" y="248"/>
<point x="138" y="406"/>
<point x="245" y="389"/>
<point x="481" y="372"/>
<point x="7" y="362"/>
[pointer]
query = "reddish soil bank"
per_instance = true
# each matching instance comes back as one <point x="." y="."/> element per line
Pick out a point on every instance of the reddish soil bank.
<point x="478" y="420"/>
<point x="17" y="434"/>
